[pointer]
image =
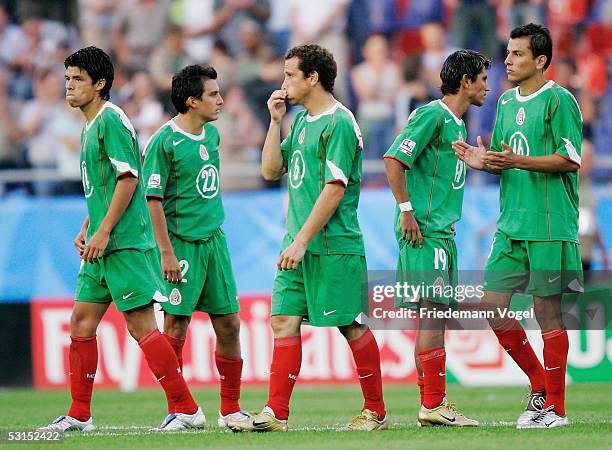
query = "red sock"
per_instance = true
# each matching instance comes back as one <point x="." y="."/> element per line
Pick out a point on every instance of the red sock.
<point x="514" y="341"/>
<point x="367" y="359"/>
<point x="164" y="365"/>
<point x="421" y="384"/>
<point x="433" y="362"/>
<point x="556" y="347"/>
<point x="284" y="370"/>
<point x="230" y="371"/>
<point x="177" y="346"/>
<point x="83" y="365"/>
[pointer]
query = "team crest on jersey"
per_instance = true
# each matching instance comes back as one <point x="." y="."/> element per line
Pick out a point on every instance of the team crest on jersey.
<point x="297" y="169"/>
<point x="154" y="181"/>
<point x="302" y="136"/>
<point x="175" y="297"/>
<point x="407" y="147"/>
<point x="204" y="153"/>
<point x="207" y="182"/>
<point x="520" y="116"/>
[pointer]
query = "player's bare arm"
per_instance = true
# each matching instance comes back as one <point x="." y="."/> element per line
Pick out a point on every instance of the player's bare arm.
<point x="323" y="209"/>
<point x="170" y="265"/>
<point x="396" y="175"/>
<point x="79" y="241"/>
<point x="126" y="185"/>
<point x="507" y="159"/>
<point x="473" y="156"/>
<point x="272" y="164"/>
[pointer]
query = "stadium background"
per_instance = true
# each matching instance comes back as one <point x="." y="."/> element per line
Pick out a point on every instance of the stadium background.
<point x="382" y="78"/>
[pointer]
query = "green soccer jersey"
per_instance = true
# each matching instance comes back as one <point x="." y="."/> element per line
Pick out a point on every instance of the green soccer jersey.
<point x="182" y="169"/>
<point x="539" y="206"/>
<point x="435" y="177"/>
<point x="325" y="149"/>
<point x="109" y="149"/>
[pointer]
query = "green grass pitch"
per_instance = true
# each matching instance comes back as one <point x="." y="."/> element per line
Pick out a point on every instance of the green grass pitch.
<point x="123" y="420"/>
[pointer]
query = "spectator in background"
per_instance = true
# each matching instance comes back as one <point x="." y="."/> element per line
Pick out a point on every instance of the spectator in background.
<point x="589" y="234"/>
<point x="566" y="75"/>
<point x="140" y="25"/>
<point x="376" y="82"/>
<point x="10" y="154"/>
<point x="96" y="22"/>
<point x="475" y="18"/>
<point x="521" y="12"/>
<point x="278" y="25"/>
<point x="67" y="133"/>
<point x="323" y="22"/>
<point x="56" y="10"/>
<point x="241" y="136"/>
<point x="412" y="93"/>
<point x="36" y="124"/>
<point x="225" y="66"/>
<point x="11" y="38"/>
<point x="229" y="14"/>
<point x="144" y="108"/>
<point x="435" y="51"/>
<point x="197" y="17"/>
<point x="167" y="59"/>
<point x="255" y="53"/>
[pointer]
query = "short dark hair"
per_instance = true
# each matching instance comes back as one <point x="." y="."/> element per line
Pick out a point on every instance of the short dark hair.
<point x="459" y="63"/>
<point x="189" y="82"/>
<point x="540" y="41"/>
<point x="97" y="64"/>
<point x="314" y="58"/>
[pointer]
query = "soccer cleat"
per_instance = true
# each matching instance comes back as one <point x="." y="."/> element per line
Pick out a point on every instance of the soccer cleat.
<point x="181" y="421"/>
<point x="535" y="403"/>
<point x="366" y="421"/>
<point x="67" y="423"/>
<point x="445" y="414"/>
<point x="240" y="416"/>
<point x="548" y="418"/>
<point x="262" y="422"/>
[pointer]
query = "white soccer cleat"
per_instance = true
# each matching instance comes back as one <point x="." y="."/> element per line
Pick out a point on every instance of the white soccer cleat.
<point x="67" y="423"/>
<point x="182" y="421"/>
<point x="237" y="417"/>
<point x="548" y="418"/>
<point x="535" y="403"/>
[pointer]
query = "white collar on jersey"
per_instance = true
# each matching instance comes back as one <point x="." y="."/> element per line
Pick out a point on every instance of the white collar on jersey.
<point x="525" y="98"/>
<point x="178" y="129"/>
<point x="124" y="118"/>
<point x="458" y="121"/>
<point x="331" y="110"/>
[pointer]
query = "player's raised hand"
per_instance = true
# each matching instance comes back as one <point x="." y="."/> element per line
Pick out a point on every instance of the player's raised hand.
<point x="79" y="241"/>
<point x="469" y="154"/>
<point x="96" y="246"/>
<point x="171" y="267"/>
<point x="410" y="229"/>
<point x="276" y="105"/>
<point x="503" y="160"/>
<point x="291" y="256"/>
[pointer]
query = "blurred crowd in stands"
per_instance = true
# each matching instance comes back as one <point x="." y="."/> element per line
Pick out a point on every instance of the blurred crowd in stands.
<point x="389" y="55"/>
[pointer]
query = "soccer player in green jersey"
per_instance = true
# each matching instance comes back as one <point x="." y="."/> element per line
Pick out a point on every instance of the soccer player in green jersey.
<point x="321" y="269"/>
<point x="427" y="181"/>
<point x="181" y="169"/>
<point x="535" y="147"/>
<point x="116" y="244"/>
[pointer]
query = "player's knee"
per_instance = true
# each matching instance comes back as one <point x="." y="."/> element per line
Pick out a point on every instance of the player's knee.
<point x="229" y="333"/>
<point x="176" y="326"/>
<point x="285" y="326"/>
<point x="82" y="325"/>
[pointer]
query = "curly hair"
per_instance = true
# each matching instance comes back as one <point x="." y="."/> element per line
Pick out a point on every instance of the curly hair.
<point x="314" y="58"/>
